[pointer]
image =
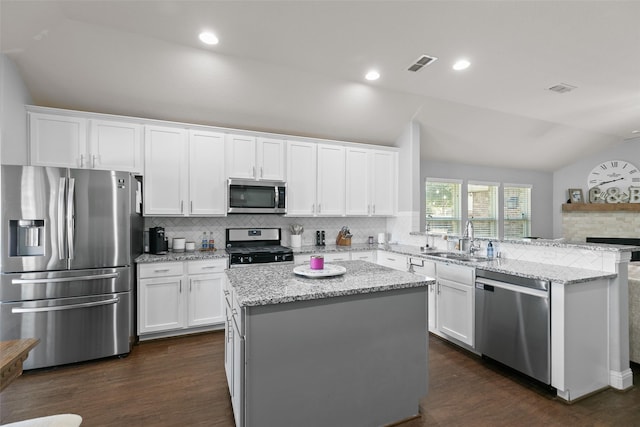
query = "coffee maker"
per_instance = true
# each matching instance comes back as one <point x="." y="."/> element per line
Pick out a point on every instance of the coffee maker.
<point x="158" y="243"/>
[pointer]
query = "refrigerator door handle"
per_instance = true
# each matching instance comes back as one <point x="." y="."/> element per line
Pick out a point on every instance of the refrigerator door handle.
<point x="70" y="217"/>
<point x="65" y="307"/>
<point x="62" y="188"/>
<point x="65" y="279"/>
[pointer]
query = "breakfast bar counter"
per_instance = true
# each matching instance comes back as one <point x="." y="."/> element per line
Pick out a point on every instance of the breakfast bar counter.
<point x="344" y="350"/>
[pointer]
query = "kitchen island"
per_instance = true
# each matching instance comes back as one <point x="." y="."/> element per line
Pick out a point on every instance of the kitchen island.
<point x="345" y="350"/>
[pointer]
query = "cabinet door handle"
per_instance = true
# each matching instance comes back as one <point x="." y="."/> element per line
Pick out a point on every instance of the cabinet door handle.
<point x="181" y="206"/>
<point x="253" y="171"/>
<point x="438" y="289"/>
<point x="81" y="160"/>
<point x="93" y="161"/>
<point x="368" y="209"/>
<point x="180" y="286"/>
<point x="319" y="207"/>
<point x="374" y="209"/>
<point x="313" y="208"/>
<point x="261" y="172"/>
<point x="191" y="207"/>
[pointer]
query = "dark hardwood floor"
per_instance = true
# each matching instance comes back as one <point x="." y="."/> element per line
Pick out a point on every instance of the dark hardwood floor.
<point x="181" y="382"/>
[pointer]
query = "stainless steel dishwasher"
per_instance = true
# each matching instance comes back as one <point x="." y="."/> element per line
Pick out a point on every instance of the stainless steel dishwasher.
<point x="513" y="323"/>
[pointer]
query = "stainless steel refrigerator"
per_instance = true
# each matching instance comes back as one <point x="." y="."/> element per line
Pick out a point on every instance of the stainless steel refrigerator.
<point x="67" y="242"/>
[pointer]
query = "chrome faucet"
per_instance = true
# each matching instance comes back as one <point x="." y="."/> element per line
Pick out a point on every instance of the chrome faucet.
<point x="469" y="235"/>
<point x="429" y="243"/>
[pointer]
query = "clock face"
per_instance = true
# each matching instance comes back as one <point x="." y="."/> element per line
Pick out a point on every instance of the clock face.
<point x="614" y="174"/>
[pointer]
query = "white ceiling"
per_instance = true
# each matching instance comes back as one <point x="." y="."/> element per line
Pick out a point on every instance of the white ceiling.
<point x="296" y="67"/>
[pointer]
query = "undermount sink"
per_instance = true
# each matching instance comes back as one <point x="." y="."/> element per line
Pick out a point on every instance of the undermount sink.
<point x="458" y="256"/>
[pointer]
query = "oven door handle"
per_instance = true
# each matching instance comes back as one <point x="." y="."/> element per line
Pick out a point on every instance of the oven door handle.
<point x="65" y="307"/>
<point x="65" y="279"/>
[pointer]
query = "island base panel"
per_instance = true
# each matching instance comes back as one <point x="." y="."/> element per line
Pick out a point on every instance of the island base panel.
<point x="355" y="360"/>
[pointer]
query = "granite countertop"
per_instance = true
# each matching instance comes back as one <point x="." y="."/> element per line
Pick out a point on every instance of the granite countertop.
<point x="335" y="248"/>
<point x="180" y="256"/>
<point x="534" y="270"/>
<point x="556" y="243"/>
<point x="276" y="283"/>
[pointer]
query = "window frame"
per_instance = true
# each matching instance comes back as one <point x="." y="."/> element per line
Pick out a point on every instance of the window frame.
<point x="496" y="220"/>
<point x="459" y="219"/>
<point x="527" y="220"/>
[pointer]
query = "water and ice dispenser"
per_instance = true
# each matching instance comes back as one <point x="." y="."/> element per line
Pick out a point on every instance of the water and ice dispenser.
<point x="26" y="237"/>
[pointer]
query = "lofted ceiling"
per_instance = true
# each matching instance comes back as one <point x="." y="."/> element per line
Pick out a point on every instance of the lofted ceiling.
<point x="297" y="67"/>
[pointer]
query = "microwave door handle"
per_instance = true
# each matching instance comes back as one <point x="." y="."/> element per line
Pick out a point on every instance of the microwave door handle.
<point x="277" y="199"/>
<point x="71" y="217"/>
<point x="62" y="188"/>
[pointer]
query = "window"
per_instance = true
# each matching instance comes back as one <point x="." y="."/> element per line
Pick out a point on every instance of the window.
<point x="517" y="211"/>
<point x="443" y="212"/>
<point x="482" y="204"/>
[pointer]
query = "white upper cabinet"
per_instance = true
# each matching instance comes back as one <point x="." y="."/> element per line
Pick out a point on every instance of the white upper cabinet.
<point x="270" y="159"/>
<point x="358" y="191"/>
<point x="58" y="141"/>
<point x="185" y="173"/>
<point x="115" y="146"/>
<point x="371" y="182"/>
<point x="77" y="142"/>
<point x="384" y="179"/>
<point x="241" y="156"/>
<point x="301" y="178"/>
<point x="207" y="182"/>
<point x="331" y="180"/>
<point x="259" y="158"/>
<point x="166" y="171"/>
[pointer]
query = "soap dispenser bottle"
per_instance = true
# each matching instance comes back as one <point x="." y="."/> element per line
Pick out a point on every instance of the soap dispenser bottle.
<point x="490" y="250"/>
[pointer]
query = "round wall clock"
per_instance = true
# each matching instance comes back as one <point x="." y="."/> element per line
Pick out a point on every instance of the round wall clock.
<point x="609" y="181"/>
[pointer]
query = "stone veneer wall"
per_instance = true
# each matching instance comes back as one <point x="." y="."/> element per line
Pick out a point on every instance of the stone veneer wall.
<point x="192" y="228"/>
<point x="577" y="226"/>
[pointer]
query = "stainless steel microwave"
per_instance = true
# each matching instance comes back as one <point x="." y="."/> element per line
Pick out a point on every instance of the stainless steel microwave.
<point x="259" y="197"/>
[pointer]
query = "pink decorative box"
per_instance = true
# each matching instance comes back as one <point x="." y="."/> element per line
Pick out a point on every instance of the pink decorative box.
<point x="316" y="262"/>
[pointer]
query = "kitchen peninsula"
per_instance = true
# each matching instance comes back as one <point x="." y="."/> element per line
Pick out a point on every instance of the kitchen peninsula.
<point x="343" y="350"/>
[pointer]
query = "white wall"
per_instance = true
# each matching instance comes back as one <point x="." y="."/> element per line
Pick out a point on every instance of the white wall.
<point x="575" y="175"/>
<point x="541" y="188"/>
<point x="13" y="118"/>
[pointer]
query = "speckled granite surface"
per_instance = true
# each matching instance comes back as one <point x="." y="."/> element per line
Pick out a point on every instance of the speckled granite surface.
<point x="553" y="243"/>
<point x="555" y="273"/>
<point x="180" y="256"/>
<point x="276" y="283"/>
<point x="334" y="248"/>
<point x="534" y="270"/>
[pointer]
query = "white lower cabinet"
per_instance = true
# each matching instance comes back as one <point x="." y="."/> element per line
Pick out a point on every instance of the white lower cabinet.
<point x="392" y="260"/>
<point x="336" y="256"/>
<point x="176" y="297"/>
<point x="234" y="352"/>
<point x="427" y="268"/>
<point x="364" y="256"/>
<point x="455" y="310"/>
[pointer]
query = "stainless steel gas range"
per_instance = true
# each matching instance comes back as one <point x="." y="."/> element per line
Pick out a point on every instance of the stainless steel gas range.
<point x="247" y="246"/>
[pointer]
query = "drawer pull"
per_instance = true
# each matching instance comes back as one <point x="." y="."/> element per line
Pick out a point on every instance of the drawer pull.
<point x="164" y="270"/>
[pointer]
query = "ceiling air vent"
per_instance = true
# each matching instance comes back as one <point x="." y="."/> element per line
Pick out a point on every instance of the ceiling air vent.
<point x="422" y="61"/>
<point x="562" y="88"/>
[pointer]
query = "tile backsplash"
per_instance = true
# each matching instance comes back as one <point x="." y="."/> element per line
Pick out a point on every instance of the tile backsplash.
<point x="192" y="228"/>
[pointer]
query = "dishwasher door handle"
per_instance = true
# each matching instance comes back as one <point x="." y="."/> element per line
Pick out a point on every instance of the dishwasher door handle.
<point x="483" y="283"/>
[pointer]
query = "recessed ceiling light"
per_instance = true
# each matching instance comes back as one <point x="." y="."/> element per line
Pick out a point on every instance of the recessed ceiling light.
<point x="372" y="75"/>
<point x="208" y="38"/>
<point x="461" y="64"/>
<point x="635" y="131"/>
